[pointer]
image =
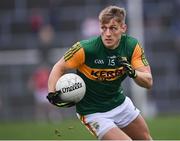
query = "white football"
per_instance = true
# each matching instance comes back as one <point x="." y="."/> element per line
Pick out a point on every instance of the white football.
<point x="72" y="87"/>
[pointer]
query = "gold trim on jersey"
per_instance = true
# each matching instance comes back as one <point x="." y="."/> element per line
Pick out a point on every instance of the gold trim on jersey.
<point x="138" y="57"/>
<point x="72" y="51"/>
<point x="143" y="57"/>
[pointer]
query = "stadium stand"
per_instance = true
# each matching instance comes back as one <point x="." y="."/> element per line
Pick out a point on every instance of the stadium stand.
<point x="161" y="20"/>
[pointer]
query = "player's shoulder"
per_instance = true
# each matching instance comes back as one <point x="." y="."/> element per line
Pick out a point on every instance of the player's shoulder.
<point x="129" y="40"/>
<point x="90" y="42"/>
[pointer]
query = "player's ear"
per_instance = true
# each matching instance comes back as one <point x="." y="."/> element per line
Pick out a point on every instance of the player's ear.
<point x="123" y="27"/>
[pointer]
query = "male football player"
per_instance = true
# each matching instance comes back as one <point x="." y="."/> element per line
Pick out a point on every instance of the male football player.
<point x="104" y="62"/>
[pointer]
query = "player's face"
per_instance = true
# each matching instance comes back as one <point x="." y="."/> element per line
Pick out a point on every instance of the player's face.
<point x="111" y="33"/>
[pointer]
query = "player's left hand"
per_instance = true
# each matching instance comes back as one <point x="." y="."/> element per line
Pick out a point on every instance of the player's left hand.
<point x="128" y="68"/>
<point x="55" y="99"/>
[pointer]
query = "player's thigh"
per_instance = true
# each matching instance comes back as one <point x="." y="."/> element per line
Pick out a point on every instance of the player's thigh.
<point x="103" y="128"/>
<point x="138" y="129"/>
<point x="115" y="134"/>
<point x="96" y="124"/>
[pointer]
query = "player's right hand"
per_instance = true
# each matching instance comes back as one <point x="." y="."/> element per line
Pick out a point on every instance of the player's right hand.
<point x="55" y="99"/>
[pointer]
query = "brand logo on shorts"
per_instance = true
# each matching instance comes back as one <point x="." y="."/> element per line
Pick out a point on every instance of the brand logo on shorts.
<point x="95" y="125"/>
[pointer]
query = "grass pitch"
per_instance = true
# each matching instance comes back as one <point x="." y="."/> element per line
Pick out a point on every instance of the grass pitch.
<point x="162" y="128"/>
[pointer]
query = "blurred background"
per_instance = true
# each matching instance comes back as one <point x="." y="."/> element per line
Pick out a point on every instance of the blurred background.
<point x="34" y="34"/>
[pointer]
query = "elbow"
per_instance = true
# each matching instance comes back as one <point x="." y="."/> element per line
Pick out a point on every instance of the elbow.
<point x="149" y="86"/>
<point x="149" y="83"/>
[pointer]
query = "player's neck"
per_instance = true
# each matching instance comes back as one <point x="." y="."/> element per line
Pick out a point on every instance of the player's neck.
<point x="116" y="45"/>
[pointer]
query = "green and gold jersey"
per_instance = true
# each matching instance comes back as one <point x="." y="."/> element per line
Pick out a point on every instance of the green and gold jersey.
<point x="99" y="68"/>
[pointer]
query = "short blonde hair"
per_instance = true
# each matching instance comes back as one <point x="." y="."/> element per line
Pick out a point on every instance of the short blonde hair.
<point x="110" y="12"/>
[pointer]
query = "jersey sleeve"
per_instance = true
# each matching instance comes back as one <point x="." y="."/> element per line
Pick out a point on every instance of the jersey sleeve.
<point x="75" y="56"/>
<point x="138" y="57"/>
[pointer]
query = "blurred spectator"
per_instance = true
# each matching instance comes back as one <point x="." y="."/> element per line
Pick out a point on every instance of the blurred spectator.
<point x="38" y="84"/>
<point x="46" y="38"/>
<point x="36" y="20"/>
<point x="46" y="34"/>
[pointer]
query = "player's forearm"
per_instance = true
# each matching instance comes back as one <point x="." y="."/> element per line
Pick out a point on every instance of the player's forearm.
<point x="55" y="74"/>
<point x="144" y="79"/>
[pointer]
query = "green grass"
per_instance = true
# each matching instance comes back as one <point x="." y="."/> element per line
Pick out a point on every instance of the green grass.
<point x="69" y="129"/>
<point x="165" y="128"/>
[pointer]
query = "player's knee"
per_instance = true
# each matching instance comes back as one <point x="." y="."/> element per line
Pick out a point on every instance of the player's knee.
<point x="146" y="136"/>
<point x="142" y="136"/>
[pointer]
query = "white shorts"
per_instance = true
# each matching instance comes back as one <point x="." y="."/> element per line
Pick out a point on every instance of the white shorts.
<point x="100" y="123"/>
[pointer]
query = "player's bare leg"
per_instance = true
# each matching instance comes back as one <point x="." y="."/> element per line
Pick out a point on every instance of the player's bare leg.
<point x="115" y="134"/>
<point x="138" y="129"/>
